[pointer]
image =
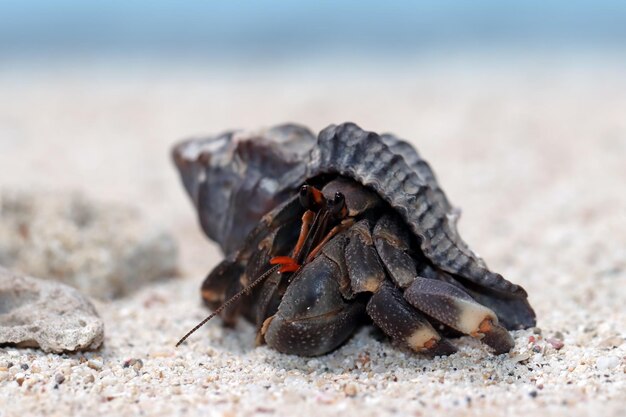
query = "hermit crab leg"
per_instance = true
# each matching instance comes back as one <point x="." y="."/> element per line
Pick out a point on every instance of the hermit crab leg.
<point x="272" y="235"/>
<point x="404" y="324"/>
<point x="392" y="243"/>
<point x="307" y="220"/>
<point x="390" y="312"/>
<point x="289" y="263"/>
<point x="455" y="308"/>
<point x="313" y="234"/>
<point x="344" y="225"/>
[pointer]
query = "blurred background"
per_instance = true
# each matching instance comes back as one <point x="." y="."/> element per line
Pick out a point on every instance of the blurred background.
<point x="506" y="100"/>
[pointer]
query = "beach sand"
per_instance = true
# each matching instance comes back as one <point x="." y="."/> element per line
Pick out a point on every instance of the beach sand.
<point x="534" y="155"/>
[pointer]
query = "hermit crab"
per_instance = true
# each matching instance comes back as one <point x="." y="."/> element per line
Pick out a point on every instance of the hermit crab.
<point x="323" y="234"/>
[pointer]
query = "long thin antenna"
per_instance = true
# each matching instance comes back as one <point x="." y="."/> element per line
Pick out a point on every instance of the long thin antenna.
<point x="229" y="302"/>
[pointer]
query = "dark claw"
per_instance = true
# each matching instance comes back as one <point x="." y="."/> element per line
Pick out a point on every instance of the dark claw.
<point x="266" y="299"/>
<point x="313" y="318"/>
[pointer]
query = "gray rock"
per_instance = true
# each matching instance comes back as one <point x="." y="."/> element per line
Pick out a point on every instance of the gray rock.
<point x="104" y="250"/>
<point x="46" y="314"/>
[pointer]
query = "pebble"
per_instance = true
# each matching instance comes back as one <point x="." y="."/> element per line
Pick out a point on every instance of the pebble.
<point x="46" y="314"/>
<point x="350" y="390"/>
<point x="611" y="342"/>
<point x="95" y="364"/>
<point x="555" y="343"/>
<point x="604" y="363"/>
<point x="59" y="378"/>
<point x="521" y="357"/>
<point x="136" y="364"/>
<point x="19" y="378"/>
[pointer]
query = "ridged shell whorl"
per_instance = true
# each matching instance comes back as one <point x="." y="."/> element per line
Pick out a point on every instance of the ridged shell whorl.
<point x="401" y="177"/>
<point x="235" y="178"/>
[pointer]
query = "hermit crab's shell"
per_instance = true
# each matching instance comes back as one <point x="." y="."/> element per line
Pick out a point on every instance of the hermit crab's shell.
<point x="235" y="178"/>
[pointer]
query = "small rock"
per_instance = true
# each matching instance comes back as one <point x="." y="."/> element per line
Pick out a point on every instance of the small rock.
<point x="136" y="364"/>
<point x="104" y="250"/>
<point x="59" y="379"/>
<point x="555" y="343"/>
<point x="605" y="363"/>
<point x="95" y="364"/>
<point x="24" y="366"/>
<point x="350" y="390"/>
<point x="19" y="378"/>
<point x="611" y="342"/>
<point x="521" y="357"/>
<point x="46" y="314"/>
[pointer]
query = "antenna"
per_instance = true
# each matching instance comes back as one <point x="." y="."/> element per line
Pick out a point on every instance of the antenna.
<point x="228" y="302"/>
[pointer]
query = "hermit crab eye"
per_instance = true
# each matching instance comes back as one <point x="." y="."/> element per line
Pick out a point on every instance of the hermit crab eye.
<point x="304" y="196"/>
<point x="338" y="205"/>
<point x="310" y="197"/>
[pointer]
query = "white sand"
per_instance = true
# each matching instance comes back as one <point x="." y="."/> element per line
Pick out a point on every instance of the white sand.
<point x="535" y="156"/>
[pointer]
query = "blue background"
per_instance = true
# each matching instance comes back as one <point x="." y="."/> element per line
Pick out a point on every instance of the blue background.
<point x="274" y="31"/>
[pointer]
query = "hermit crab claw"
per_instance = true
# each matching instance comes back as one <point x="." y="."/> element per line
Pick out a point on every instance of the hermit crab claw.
<point x="313" y="317"/>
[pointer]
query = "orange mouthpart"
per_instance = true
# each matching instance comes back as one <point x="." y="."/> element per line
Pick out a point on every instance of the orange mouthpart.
<point x="287" y="263"/>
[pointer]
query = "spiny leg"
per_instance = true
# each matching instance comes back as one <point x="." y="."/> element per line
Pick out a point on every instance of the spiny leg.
<point x="455" y="308"/>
